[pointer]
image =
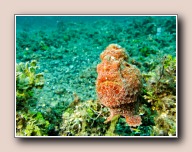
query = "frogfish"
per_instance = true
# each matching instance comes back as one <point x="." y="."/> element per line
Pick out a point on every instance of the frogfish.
<point x="118" y="84"/>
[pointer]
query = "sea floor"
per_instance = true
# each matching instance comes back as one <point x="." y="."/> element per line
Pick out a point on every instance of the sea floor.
<point x="67" y="52"/>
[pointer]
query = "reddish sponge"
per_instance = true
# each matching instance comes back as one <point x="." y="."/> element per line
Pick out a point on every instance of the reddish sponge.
<point x="118" y="84"/>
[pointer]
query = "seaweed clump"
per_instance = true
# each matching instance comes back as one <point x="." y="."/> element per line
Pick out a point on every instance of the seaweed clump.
<point x="87" y="119"/>
<point x="31" y="124"/>
<point x="28" y="121"/>
<point x="26" y="81"/>
<point x="161" y="94"/>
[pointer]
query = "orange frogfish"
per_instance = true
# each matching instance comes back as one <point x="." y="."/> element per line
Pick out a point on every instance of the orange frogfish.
<point x="118" y="84"/>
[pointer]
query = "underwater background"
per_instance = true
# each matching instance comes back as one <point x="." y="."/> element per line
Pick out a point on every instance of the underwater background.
<point x="56" y="60"/>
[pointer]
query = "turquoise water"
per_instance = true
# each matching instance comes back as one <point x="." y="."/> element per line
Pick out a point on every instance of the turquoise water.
<point x="67" y="50"/>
